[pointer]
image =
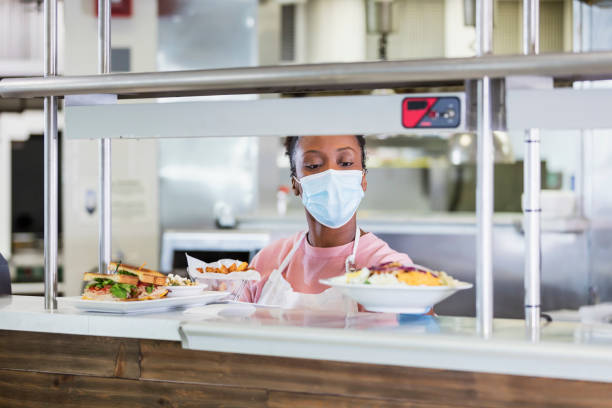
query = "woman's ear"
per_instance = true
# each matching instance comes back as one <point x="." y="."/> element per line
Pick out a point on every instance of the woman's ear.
<point x="295" y="186"/>
<point x="364" y="182"/>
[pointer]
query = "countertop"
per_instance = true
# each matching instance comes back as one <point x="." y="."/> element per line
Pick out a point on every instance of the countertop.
<point x="565" y="350"/>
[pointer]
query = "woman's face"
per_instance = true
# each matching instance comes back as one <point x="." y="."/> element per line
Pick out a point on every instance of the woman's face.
<point x="316" y="154"/>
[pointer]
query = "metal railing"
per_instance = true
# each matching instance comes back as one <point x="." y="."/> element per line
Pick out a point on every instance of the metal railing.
<point x="104" y="145"/>
<point x="484" y="177"/>
<point x="295" y="78"/>
<point x="532" y="187"/>
<point x="51" y="193"/>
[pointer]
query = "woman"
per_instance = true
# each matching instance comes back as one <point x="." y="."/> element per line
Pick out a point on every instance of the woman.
<point x="329" y="174"/>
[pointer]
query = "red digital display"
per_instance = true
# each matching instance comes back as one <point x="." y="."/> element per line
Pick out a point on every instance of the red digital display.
<point x="414" y="110"/>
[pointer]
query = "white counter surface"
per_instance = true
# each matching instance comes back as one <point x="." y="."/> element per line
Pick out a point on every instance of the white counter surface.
<point x="565" y="350"/>
<point x="27" y="313"/>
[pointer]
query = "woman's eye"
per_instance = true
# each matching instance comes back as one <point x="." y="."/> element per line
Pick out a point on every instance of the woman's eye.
<point x="312" y="166"/>
<point x="346" y="164"/>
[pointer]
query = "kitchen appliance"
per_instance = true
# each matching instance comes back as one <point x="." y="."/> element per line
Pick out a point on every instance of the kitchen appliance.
<point x="208" y="246"/>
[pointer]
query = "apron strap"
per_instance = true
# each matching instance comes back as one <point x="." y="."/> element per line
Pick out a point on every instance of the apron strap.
<point x="289" y="256"/>
<point x="350" y="260"/>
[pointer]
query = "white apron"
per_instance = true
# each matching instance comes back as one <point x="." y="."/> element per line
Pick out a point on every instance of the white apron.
<point x="278" y="292"/>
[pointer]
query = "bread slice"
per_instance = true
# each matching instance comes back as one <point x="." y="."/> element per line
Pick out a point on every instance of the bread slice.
<point x="145" y="275"/>
<point x="119" y="278"/>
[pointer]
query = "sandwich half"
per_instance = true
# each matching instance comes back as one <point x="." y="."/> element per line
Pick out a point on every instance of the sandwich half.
<point x="127" y="283"/>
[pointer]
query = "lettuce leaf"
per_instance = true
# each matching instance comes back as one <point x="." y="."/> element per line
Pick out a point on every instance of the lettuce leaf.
<point x="121" y="290"/>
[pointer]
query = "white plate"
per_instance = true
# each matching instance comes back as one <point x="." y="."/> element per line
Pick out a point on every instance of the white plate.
<point x="142" y="306"/>
<point x="394" y="299"/>
<point x="179" y="291"/>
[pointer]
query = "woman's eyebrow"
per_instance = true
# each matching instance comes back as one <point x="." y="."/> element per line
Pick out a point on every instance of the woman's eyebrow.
<point x="345" y="148"/>
<point x="313" y="151"/>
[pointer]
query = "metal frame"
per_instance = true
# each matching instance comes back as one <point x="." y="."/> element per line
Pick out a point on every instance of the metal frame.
<point x="104" y="144"/>
<point x="531" y="186"/>
<point x="582" y="66"/>
<point x="484" y="177"/>
<point x="50" y="159"/>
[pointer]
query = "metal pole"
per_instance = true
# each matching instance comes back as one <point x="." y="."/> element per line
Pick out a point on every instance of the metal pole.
<point x="104" y="147"/>
<point x="294" y="78"/>
<point x="531" y="181"/>
<point x="484" y="187"/>
<point x="50" y="159"/>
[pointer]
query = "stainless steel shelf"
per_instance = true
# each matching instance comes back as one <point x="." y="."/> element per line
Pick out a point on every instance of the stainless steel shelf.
<point x="296" y="78"/>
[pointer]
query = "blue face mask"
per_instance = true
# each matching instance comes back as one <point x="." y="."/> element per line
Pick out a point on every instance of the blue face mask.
<point x="332" y="197"/>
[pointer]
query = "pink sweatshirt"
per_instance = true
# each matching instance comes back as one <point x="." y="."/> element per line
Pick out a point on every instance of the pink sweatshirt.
<point x="309" y="264"/>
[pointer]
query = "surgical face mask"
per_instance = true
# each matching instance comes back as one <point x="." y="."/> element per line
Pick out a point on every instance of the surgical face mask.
<point x="332" y="197"/>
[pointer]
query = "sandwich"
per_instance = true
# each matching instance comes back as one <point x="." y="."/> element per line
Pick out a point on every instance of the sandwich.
<point x="144" y="275"/>
<point x="125" y="283"/>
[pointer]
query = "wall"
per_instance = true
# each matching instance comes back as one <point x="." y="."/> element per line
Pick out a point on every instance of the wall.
<point x="460" y="39"/>
<point x="21" y="30"/>
<point x="135" y="235"/>
<point x="335" y="31"/>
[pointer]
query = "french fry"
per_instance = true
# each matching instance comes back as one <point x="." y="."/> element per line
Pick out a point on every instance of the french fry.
<point x="232" y="268"/>
<point x="243" y="266"/>
<point x="210" y="269"/>
<point x="223" y="269"/>
<point x="200" y="270"/>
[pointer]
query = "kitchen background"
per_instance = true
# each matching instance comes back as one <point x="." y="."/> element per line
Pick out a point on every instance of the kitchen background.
<point x="221" y="196"/>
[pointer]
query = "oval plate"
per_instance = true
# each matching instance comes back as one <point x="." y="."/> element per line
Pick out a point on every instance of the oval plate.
<point x="141" y="306"/>
<point x="396" y="299"/>
<point x="177" y="291"/>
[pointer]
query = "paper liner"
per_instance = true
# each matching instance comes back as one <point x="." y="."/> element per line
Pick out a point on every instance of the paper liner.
<point x="194" y="263"/>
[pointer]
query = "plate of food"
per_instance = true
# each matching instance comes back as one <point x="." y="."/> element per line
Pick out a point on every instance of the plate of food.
<point x="178" y="286"/>
<point x="225" y="274"/>
<point x="395" y="288"/>
<point x="128" y="289"/>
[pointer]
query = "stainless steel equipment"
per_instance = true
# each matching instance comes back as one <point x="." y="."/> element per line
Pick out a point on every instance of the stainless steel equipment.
<point x="194" y="179"/>
<point x="412" y="114"/>
<point x="379" y="16"/>
<point x="221" y="244"/>
<point x="593" y="31"/>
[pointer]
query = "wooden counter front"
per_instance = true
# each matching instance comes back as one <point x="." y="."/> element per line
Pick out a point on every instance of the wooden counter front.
<point x="59" y="370"/>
